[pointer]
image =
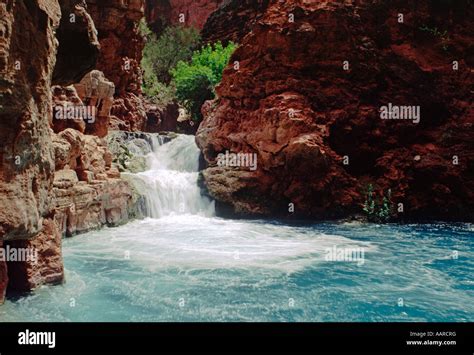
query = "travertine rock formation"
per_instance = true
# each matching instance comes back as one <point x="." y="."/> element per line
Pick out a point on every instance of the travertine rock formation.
<point x="47" y="265"/>
<point x="128" y="113"/>
<point x="161" y="118"/>
<point x="97" y="92"/>
<point x="26" y="154"/>
<point x="25" y="105"/>
<point x="192" y="13"/>
<point x="51" y="184"/>
<point x="65" y="101"/>
<point x="313" y="77"/>
<point x="121" y="53"/>
<point x="88" y="191"/>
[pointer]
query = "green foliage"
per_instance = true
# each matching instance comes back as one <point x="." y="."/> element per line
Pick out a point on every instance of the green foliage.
<point x="378" y="210"/>
<point x="195" y="81"/>
<point x="194" y="85"/>
<point x="161" y="55"/>
<point x="145" y="31"/>
<point x="214" y="57"/>
<point x="158" y="92"/>
<point x="174" y="56"/>
<point x="442" y="35"/>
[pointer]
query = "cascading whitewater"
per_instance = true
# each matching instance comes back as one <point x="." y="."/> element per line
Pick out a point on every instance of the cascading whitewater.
<point x="170" y="185"/>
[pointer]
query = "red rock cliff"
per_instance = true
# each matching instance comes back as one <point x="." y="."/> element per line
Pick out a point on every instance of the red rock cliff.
<point x="121" y="53"/>
<point x="306" y="99"/>
<point x="26" y="174"/>
<point x="233" y="20"/>
<point x="162" y="13"/>
<point x="51" y="184"/>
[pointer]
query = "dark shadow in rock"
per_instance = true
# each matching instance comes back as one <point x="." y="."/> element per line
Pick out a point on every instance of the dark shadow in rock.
<point x="78" y="44"/>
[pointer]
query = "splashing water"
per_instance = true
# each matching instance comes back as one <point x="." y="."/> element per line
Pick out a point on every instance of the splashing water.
<point x="170" y="185"/>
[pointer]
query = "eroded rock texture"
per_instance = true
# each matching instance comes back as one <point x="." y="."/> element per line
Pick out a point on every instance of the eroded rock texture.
<point x="26" y="173"/>
<point x="88" y="191"/>
<point x="78" y="43"/>
<point x="97" y="92"/>
<point x="161" y="118"/>
<point x="233" y="20"/>
<point x="25" y="104"/>
<point x="46" y="267"/>
<point x="293" y="103"/>
<point x="65" y="100"/>
<point x="52" y="184"/>
<point x="192" y="13"/>
<point x="121" y="52"/>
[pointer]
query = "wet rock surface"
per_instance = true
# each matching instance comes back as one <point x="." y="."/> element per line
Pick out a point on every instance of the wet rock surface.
<point x="88" y="190"/>
<point x="45" y="267"/>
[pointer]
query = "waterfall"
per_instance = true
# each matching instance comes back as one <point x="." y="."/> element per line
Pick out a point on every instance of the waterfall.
<point x="170" y="186"/>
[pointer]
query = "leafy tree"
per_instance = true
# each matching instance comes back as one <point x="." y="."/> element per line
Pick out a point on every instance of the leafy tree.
<point x="161" y="55"/>
<point x="196" y="81"/>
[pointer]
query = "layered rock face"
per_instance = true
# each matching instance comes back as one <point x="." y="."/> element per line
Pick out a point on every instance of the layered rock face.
<point x="121" y="53"/>
<point x="52" y="184"/>
<point x="97" y="93"/>
<point x="65" y="100"/>
<point x="84" y="106"/>
<point x="233" y="20"/>
<point x="314" y="78"/>
<point x="161" y="118"/>
<point x="45" y="265"/>
<point x="192" y="13"/>
<point x="87" y="188"/>
<point x="78" y="43"/>
<point x="25" y="104"/>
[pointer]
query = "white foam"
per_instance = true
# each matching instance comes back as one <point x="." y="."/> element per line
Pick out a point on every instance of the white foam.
<point x="170" y="185"/>
<point x="196" y="242"/>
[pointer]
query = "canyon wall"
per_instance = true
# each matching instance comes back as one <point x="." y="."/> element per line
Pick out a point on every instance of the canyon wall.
<point x="122" y="45"/>
<point x="192" y="13"/>
<point x="56" y="172"/>
<point x="306" y="98"/>
<point x="233" y="20"/>
<point x="26" y="174"/>
<point x="25" y="105"/>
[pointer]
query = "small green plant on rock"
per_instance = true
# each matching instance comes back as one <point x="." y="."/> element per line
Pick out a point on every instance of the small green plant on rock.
<point x="442" y="35"/>
<point x="378" y="210"/>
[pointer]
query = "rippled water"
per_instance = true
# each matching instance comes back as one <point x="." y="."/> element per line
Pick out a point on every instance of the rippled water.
<point x="193" y="268"/>
<point x="186" y="265"/>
